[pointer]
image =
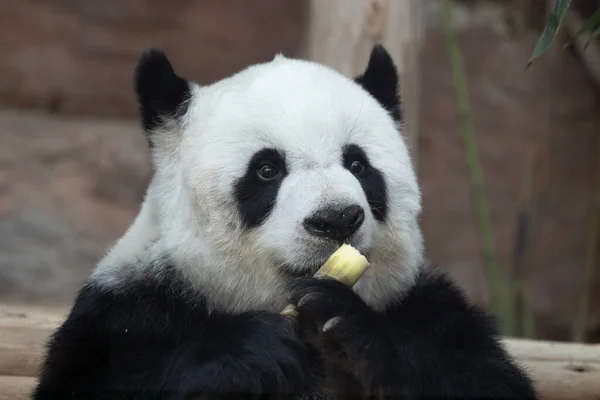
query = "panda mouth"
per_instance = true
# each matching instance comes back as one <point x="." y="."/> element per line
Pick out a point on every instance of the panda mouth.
<point x="307" y="270"/>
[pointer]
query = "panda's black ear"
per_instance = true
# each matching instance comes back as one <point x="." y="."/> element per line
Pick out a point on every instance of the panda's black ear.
<point x="381" y="80"/>
<point x="161" y="93"/>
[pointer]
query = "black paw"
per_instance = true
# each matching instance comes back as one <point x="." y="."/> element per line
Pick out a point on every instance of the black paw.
<point x="271" y="355"/>
<point x="334" y="319"/>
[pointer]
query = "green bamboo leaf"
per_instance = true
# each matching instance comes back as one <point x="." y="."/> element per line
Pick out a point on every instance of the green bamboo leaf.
<point x="554" y="20"/>
<point x="594" y="35"/>
<point x="593" y="22"/>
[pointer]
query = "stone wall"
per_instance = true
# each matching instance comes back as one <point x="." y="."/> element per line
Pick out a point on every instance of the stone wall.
<point x="77" y="56"/>
<point x="68" y="189"/>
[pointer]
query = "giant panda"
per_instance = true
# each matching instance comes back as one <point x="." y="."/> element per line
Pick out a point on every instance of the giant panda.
<point x="258" y="179"/>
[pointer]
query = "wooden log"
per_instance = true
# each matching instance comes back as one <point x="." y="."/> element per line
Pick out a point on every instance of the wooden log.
<point x="16" y="387"/>
<point x="23" y="335"/>
<point x="560" y="370"/>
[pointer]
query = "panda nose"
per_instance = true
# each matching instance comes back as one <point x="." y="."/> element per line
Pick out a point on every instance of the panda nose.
<point x="335" y="224"/>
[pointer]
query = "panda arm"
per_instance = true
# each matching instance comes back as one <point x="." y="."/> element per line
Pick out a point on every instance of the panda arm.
<point x="432" y="343"/>
<point x="148" y="342"/>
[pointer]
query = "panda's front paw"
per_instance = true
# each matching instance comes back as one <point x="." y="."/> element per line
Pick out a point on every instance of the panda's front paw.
<point x="322" y="299"/>
<point x="334" y="319"/>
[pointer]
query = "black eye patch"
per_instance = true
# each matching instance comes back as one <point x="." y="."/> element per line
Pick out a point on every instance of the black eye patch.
<point x="371" y="179"/>
<point x="256" y="192"/>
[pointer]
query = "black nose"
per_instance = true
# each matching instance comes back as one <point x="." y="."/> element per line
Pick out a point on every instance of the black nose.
<point x="335" y="224"/>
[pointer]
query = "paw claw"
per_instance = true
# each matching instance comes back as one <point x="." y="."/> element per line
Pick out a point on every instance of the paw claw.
<point x="332" y="323"/>
<point x="305" y="299"/>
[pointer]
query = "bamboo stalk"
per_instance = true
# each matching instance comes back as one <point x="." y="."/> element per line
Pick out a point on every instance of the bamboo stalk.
<point x="526" y="216"/>
<point x="500" y="288"/>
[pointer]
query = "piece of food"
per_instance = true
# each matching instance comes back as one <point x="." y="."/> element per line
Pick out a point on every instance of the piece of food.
<point x="346" y="265"/>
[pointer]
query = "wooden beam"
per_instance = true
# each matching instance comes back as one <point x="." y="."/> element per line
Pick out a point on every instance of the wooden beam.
<point x="560" y="370"/>
<point x="16" y="387"/>
<point x="23" y="334"/>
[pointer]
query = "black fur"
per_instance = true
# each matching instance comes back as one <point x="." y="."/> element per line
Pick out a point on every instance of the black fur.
<point x="381" y="80"/>
<point x="161" y="93"/>
<point x="371" y="180"/>
<point x="255" y="197"/>
<point x="152" y="338"/>
<point x="432" y="344"/>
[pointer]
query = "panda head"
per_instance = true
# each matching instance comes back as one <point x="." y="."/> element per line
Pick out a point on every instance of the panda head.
<point x="261" y="176"/>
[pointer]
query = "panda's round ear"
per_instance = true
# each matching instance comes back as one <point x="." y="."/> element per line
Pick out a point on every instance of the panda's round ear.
<point x="381" y="80"/>
<point x="161" y="93"/>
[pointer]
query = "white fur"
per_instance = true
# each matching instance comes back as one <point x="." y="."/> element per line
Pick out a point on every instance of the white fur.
<point x="309" y="111"/>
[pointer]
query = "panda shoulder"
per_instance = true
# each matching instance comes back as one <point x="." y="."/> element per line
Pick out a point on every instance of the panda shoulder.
<point x="137" y="299"/>
<point x="442" y="305"/>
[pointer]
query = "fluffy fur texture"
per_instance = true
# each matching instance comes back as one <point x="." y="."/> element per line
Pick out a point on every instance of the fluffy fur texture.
<point x="258" y="178"/>
<point x="306" y="115"/>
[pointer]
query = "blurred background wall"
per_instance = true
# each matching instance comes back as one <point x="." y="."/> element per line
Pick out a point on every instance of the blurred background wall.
<point x="74" y="166"/>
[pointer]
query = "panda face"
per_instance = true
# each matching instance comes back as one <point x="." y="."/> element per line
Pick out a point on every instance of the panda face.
<point x="282" y="162"/>
<point x="316" y="206"/>
<point x="303" y="205"/>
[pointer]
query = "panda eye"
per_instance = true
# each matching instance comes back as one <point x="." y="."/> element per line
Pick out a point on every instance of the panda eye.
<point x="357" y="167"/>
<point x="267" y="172"/>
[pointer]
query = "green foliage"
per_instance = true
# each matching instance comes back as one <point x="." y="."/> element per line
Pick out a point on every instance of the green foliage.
<point x="501" y="288"/>
<point x="596" y="33"/>
<point x="592" y="24"/>
<point x="551" y="29"/>
<point x="554" y="20"/>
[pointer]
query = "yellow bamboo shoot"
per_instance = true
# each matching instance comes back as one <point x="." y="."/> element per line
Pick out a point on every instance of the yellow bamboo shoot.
<point x="346" y="265"/>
